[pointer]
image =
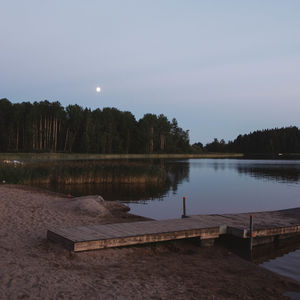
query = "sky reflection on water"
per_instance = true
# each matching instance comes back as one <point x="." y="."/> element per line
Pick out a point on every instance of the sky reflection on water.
<point x="286" y="265"/>
<point x="211" y="186"/>
<point x="229" y="186"/>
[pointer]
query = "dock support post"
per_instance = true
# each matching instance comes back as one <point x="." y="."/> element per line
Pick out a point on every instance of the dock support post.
<point x="184" y="212"/>
<point x="251" y="233"/>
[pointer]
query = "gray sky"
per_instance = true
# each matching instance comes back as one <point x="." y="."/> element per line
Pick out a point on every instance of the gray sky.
<point x="219" y="67"/>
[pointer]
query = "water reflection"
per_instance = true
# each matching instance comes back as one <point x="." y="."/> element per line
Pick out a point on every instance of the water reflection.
<point x="126" y="180"/>
<point x="286" y="265"/>
<point x="278" y="173"/>
<point x="133" y="192"/>
<point x="277" y="170"/>
<point x="143" y="179"/>
<point x="154" y="188"/>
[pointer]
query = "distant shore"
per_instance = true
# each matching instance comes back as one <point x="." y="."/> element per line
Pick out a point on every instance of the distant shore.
<point x="32" y="267"/>
<point x="92" y="156"/>
<point x="82" y="156"/>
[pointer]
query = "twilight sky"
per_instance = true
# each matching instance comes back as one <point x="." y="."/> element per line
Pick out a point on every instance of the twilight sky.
<point x="220" y="67"/>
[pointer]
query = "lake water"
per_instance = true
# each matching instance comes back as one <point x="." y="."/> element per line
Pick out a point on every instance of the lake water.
<point x="226" y="186"/>
<point x="285" y="265"/>
<point x="154" y="188"/>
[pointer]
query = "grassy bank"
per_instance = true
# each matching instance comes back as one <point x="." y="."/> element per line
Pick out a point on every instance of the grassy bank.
<point x="82" y="172"/>
<point x="80" y="156"/>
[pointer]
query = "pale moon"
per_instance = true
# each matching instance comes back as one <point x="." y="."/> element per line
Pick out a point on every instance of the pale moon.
<point x="98" y="89"/>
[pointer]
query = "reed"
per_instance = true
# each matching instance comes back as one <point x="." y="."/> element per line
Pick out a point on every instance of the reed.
<point x="82" y="172"/>
<point x="79" y="156"/>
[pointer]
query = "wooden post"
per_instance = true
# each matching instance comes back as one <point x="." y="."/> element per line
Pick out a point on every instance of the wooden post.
<point x="251" y="233"/>
<point x="184" y="212"/>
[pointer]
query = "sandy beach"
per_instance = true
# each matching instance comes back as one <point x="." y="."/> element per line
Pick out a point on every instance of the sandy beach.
<point x="33" y="268"/>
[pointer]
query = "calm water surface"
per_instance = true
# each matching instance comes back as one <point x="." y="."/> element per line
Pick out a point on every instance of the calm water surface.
<point x="227" y="186"/>
<point x="287" y="265"/>
<point x="154" y="188"/>
<point x="210" y="185"/>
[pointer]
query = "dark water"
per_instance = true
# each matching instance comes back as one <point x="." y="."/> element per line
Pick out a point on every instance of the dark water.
<point x="285" y="265"/>
<point x="227" y="186"/>
<point x="154" y="188"/>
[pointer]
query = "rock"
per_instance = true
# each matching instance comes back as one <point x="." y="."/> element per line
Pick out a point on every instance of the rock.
<point x="115" y="206"/>
<point x="95" y="205"/>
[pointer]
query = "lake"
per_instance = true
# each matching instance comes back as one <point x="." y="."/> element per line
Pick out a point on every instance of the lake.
<point x="287" y="265"/>
<point x="226" y="186"/>
<point x="154" y="188"/>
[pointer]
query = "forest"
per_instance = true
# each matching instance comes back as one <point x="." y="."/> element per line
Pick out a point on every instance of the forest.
<point x="278" y="140"/>
<point x="49" y="127"/>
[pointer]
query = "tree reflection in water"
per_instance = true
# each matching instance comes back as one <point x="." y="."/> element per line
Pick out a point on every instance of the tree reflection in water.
<point x="126" y="180"/>
<point x="278" y="173"/>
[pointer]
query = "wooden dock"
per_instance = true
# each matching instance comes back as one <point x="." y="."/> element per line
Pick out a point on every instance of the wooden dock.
<point x="205" y="227"/>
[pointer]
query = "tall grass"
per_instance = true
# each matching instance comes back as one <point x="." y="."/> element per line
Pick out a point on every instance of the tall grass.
<point x="79" y="156"/>
<point x="82" y="172"/>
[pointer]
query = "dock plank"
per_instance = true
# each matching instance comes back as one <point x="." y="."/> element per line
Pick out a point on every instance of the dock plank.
<point x="91" y="237"/>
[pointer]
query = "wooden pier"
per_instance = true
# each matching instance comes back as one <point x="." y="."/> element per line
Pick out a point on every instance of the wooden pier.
<point x="267" y="225"/>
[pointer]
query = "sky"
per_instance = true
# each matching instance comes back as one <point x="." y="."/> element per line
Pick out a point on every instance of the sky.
<point x="220" y="67"/>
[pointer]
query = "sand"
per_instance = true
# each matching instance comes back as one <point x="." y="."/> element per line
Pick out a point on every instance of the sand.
<point x="33" y="268"/>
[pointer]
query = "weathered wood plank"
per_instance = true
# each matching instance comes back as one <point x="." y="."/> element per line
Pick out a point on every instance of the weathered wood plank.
<point x="276" y="231"/>
<point x="141" y="239"/>
<point x="92" y="237"/>
<point x="58" y="238"/>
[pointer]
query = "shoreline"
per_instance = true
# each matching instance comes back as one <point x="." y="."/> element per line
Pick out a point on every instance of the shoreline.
<point x="83" y="156"/>
<point x="22" y="156"/>
<point x="32" y="267"/>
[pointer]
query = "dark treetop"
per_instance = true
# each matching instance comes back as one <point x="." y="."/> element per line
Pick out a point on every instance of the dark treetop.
<point x="46" y="126"/>
<point x="268" y="141"/>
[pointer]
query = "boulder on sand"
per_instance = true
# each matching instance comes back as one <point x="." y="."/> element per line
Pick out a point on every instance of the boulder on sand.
<point x="95" y="205"/>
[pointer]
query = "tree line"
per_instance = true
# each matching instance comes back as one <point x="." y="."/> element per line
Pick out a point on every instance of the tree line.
<point x="277" y="140"/>
<point x="49" y="127"/>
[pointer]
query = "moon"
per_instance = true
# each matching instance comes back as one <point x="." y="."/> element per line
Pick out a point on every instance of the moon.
<point x="98" y="89"/>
